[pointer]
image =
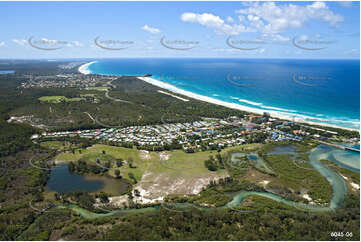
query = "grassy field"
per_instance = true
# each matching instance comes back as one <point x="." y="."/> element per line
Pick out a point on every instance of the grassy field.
<point x="243" y="148"/>
<point x="191" y="165"/>
<point x="88" y="95"/>
<point x="60" y="145"/>
<point x="103" y="89"/>
<point x="56" y="145"/>
<point x="59" y="99"/>
<point x="178" y="162"/>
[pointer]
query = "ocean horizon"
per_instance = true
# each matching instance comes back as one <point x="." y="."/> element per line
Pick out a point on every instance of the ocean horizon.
<point x="325" y="92"/>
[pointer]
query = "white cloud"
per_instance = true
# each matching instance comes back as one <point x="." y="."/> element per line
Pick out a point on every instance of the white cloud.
<point x="20" y="41"/>
<point x="230" y="19"/>
<point x="268" y="17"/>
<point x="151" y="29"/>
<point x="205" y="19"/>
<point x="2" y="43"/>
<point x="77" y="43"/>
<point x="212" y="21"/>
<point x="241" y="18"/>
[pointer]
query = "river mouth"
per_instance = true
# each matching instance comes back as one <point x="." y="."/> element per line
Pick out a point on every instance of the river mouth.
<point x="62" y="181"/>
<point x="344" y="158"/>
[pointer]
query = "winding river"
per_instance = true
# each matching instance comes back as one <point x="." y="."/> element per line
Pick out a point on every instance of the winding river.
<point x="337" y="182"/>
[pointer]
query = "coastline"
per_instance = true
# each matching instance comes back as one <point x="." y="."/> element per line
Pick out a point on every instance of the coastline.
<point x="84" y="69"/>
<point x="240" y="107"/>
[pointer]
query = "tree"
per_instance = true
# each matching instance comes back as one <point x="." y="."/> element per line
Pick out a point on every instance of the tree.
<point x="103" y="151"/>
<point x="130" y="196"/>
<point x="220" y="160"/>
<point x="136" y="193"/>
<point x="71" y="167"/>
<point x="103" y="197"/>
<point x="210" y="164"/>
<point x="130" y="162"/>
<point x="131" y="176"/>
<point x="117" y="173"/>
<point x="119" y="162"/>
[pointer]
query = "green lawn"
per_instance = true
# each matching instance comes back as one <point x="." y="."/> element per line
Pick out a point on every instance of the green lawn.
<point x="58" y="99"/>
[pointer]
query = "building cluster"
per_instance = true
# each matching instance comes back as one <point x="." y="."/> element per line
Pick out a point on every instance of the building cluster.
<point x="66" y="81"/>
<point x="153" y="135"/>
<point x="198" y="135"/>
<point x="281" y="136"/>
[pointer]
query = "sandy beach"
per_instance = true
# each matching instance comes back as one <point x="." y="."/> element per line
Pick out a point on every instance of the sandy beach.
<point x="274" y="114"/>
<point x="84" y="68"/>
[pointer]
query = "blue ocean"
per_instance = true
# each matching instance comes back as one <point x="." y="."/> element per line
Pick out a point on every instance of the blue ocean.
<point x="321" y="91"/>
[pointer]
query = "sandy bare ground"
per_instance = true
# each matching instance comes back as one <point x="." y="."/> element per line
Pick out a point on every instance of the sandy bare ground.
<point x="144" y="155"/>
<point x="154" y="187"/>
<point x="164" y="156"/>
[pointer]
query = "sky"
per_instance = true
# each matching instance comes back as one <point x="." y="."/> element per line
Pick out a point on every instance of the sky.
<point x="305" y="30"/>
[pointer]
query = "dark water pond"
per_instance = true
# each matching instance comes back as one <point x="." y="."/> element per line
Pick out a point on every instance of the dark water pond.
<point x="61" y="180"/>
<point x="285" y="149"/>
